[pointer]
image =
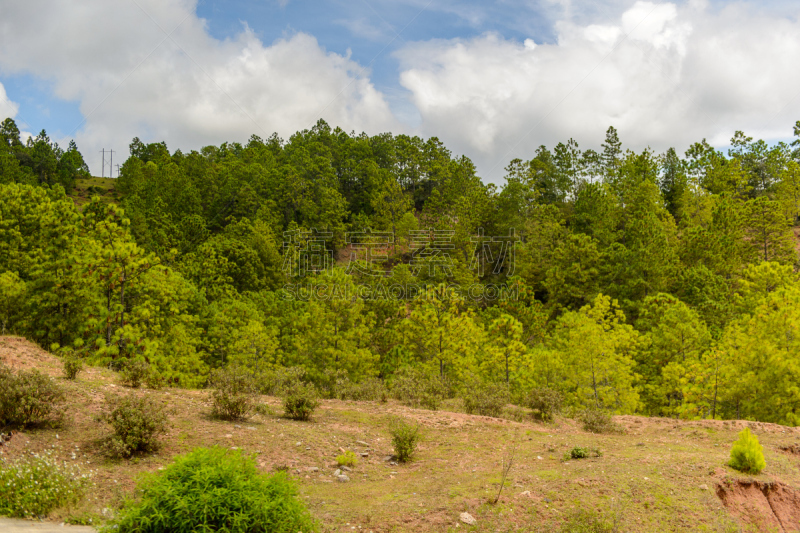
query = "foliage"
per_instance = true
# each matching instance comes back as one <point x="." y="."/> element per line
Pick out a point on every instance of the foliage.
<point x="585" y="521"/>
<point x="29" y="398"/>
<point x="72" y="366"/>
<point x="405" y="437"/>
<point x="544" y="402"/>
<point x="348" y="458"/>
<point x="233" y="397"/>
<point x="747" y="455"/>
<point x="598" y="421"/>
<point x="417" y="387"/>
<point x="300" y="402"/>
<point x="135" y="373"/>
<point x="137" y="422"/>
<point x="243" y="500"/>
<point x="33" y="485"/>
<point x="582" y="453"/>
<point x="486" y="399"/>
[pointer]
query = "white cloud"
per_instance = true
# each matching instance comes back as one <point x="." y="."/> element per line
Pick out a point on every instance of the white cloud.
<point x="131" y="80"/>
<point x="8" y="109"/>
<point x="662" y="75"/>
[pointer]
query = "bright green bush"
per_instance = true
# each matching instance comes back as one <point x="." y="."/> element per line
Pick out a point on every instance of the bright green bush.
<point x="34" y="485"/>
<point x="29" y="398"/>
<point x="300" y="402"/>
<point x="582" y="453"/>
<point x="234" y="395"/>
<point x="747" y="455"/>
<point x="348" y="458"/>
<point x="405" y="438"/>
<point x="214" y="489"/>
<point x="137" y="423"/>
<point x="276" y="382"/>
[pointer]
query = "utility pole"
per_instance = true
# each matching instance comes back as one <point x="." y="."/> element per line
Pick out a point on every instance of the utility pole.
<point x="111" y="165"/>
<point x="117" y="169"/>
<point x="103" y="171"/>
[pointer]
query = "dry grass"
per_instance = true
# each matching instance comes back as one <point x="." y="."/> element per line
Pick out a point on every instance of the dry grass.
<point x="660" y="475"/>
<point x="94" y="186"/>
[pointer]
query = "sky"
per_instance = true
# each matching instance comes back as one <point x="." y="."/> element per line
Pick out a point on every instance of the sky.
<point x="492" y="79"/>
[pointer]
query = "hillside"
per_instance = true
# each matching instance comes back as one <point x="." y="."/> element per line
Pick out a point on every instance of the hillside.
<point x="85" y="188"/>
<point x="661" y="474"/>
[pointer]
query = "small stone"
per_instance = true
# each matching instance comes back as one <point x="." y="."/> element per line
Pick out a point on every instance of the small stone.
<point x="703" y="487"/>
<point x="228" y="436"/>
<point x="387" y="458"/>
<point x="237" y="426"/>
<point x="525" y="493"/>
<point x="362" y="443"/>
<point x="341" y="449"/>
<point x="539" y="457"/>
<point x="313" y="469"/>
<point x="337" y="473"/>
<point x="467" y="518"/>
<point x="364" y="454"/>
<point x="251" y="428"/>
<point x="298" y="443"/>
<point x="343" y="478"/>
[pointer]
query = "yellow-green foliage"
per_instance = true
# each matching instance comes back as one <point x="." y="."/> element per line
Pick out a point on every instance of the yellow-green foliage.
<point x="747" y="455"/>
<point x="348" y="458"/>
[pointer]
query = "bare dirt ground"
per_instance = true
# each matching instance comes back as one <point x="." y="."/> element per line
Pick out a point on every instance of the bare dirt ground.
<point x="660" y="475"/>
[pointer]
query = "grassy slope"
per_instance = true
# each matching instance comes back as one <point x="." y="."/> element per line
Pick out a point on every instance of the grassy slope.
<point x="86" y="188"/>
<point x="660" y="475"/>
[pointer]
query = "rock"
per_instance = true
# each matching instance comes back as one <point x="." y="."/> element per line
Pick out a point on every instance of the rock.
<point x="347" y="469"/>
<point x="341" y="450"/>
<point x="298" y="443"/>
<point x="362" y="443"/>
<point x="364" y="454"/>
<point x="313" y="469"/>
<point x="387" y="458"/>
<point x="237" y="426"/>
<point x="337" y="473"/>
<point x="703" y="487"/>
<point x="539" y="457"/>
<point x="525" y="493"/>
<point x="343" y="478"/>
<point x="228" y="436"/>
<point x="467" y="518"/>
<point x="251" y="428"/>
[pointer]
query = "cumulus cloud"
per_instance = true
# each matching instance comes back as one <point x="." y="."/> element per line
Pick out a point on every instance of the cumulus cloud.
<point x="149" y="68"/>
<point x="663" y="75"/>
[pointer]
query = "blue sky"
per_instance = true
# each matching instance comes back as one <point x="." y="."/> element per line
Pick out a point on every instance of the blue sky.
<point x="493" y="80"/>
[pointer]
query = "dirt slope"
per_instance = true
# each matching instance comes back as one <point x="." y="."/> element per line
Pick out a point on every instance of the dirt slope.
<point x="661" y="475"/>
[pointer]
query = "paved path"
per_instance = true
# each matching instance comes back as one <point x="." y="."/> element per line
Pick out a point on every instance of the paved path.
<point x="11" y="525"/>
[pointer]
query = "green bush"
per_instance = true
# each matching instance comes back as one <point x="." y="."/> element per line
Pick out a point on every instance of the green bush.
<point x="300" y="402"/>
<point x="277" y="382"/>
<point x="405" y="438"/>
<point x="348" y="458"/>
<point x="137" y="423"/>
<point x="582" y="453"/>
<point x="747" y="455"/>
<point x="34" y="485"/>
<point x="72" y="366"/>
<point x="486" y="399"/>
<point x="234" y="395"/>
<point x="599" y="421"/>
<point x="214" y="489"/>
<point x="417" y="388"/>
<point x="368" y="390"/>
<point x="545" y="403"/>
<point x="134" y="373"/>
<point x="29" y="398"/>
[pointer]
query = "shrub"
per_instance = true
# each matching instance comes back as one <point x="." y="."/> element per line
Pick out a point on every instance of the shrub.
<point x="747" y="455"/>
<point x="234" y="393"/>
<point x="277" y="382"/>
<point x="29" y="398"/>
<point x="582" y="453"/>
<point x="34" y="485"/>
<point x="348" y="458"/>
<point x="243" y="500"/>
<point x="416" y="388"/>
<point x="487" y="399"/>
<point x="72" y="366"/>
<point x="137" y="423"/>
<point x="300" y="402"/>
<point x="545" y="403"/>
<point x="370" y="389"/>
<point x="405" y="438"/>
<point x="599" y="421"/>
<point x="134" y="373"/>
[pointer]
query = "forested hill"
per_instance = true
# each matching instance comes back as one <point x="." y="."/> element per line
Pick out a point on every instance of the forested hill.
<point x="635" y="282"/>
